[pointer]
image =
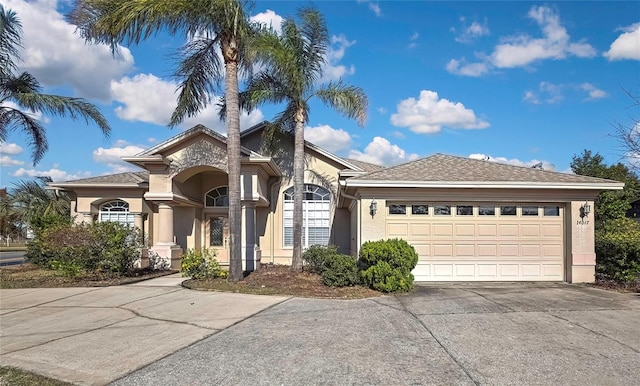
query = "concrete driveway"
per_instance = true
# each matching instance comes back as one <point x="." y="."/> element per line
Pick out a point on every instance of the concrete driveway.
<point x="440" y="334"/>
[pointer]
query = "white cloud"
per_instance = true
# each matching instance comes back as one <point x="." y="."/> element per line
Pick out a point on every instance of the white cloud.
<point x="270" y="19"/>
<point x="10" y="148"/>
<point x="147" y="98"/>
<point x="381" y="152"/>
<point x="413" y="39"/>
<point x="381" y="110"/>
<point x="548" y="93"/>
<point x="332" y="69"/>
<point x="56" y="55"/>
<point x="333" y="140"/>
<point x="373" y="6"/>
<point x="6" y="161"/>
<point x="472" y="31"/>
<point x="461" y="67"/>
<point x="627" y="45"/>
<point x="523" y="50"/>
<point x="113" y="156"/>
<point x="151" y="140"/>
<point x="55" y="174"/>
<point x="429" y="114"/>
<point x="594" y="92"/>
<point x="513" y="161"/>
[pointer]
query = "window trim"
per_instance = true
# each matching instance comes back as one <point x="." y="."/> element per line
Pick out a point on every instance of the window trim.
<point x="121" y="210"/>
<point x="206" y="195"/>
<point x="325" y="197"/>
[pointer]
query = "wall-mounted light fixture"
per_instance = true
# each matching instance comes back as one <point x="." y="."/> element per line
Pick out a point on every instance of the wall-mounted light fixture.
<point x="373" y="207"/>
<point x="585" y="209"/>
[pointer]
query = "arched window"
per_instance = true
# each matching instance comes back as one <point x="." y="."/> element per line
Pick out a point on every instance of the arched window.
<point x="218" y="197"/>
<point x="316" y="213"/>
<point x="116" y="211"/>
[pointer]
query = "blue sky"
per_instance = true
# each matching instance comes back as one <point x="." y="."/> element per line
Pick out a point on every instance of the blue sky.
<point x="519" y="82"/>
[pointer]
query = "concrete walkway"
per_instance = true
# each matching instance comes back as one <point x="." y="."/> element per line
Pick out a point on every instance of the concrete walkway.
<point x="157" y="333"/>
<point x="96" y="335"/>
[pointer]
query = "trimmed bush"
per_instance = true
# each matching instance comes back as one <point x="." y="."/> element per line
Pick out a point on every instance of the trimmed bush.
<point x="618" y="250"/>
<point x="386" y="265"/>
<point x="316" y="256"/>
<point x="340" y="271"/>
<point x="201" y="264"/>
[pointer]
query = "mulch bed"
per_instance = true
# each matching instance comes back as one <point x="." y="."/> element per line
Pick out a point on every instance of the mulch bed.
<point x="618" y="286"/>
<point x="280" y="280"/>
<point x="31" y="276"/>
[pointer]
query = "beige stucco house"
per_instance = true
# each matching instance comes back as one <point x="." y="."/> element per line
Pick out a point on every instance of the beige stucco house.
<point x="469" y="220"/>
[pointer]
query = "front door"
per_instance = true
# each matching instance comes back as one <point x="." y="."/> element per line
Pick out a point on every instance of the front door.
<point x="218" y="239"/>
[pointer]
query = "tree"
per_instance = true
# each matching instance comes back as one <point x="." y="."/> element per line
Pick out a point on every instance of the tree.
<point x="21" y="94"/>
<point x="32" y="200"/>
<point x="208" y="25"/>
<point x="294" y="63"/>
<point x="613" y="204"/>
<point x="629" y="136"/>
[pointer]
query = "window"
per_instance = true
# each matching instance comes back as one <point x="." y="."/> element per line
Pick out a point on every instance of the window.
<point x="508" y="210"/>
<point x="486" y="210"/>
<point x="216" y="232"/>
<point x="464" y="210"/>
<point x="420" y="209"/>
<point x="551" y="211"/>
<point x="218" y="197"/>
<point x="398" y="209"/>
<point x="529" y="210"/>
<point x="442" y="210"/>
<point x="116" y="211"/>
<point x="316" y="212"/>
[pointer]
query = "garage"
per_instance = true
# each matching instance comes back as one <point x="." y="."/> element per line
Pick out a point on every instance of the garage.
<point x="481" y="241"/>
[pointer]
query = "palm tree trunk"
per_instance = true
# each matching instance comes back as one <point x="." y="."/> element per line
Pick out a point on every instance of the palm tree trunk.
<point x="233" y="154"/>
<point x="298" y="190"/>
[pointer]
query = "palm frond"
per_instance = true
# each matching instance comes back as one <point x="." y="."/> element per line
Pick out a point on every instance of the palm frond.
<point x="12" y="119"/>
<point x="200" y="74"/>
<point x="75" y="108"/>
<point x="316" y="35"/>
<point x="350" y="101"/>
<point x="10" y="40"/>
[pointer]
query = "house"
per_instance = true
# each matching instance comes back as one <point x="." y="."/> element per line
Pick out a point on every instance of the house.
<point x="469" y="220"/>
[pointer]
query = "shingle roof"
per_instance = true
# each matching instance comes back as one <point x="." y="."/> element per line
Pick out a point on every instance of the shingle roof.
<point x="446" y="168"/>
<point x="119" y="178"/>
<point x="366" y="166"/>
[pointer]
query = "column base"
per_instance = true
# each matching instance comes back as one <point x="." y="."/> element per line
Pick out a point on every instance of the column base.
<point x="583" y="274"/>
<point x="251" y="260"/>
<point x="165" y="256"/>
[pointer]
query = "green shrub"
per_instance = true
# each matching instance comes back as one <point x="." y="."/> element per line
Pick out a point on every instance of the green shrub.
<point x="340" y="271"/>
<point x="106" y="247"/>
<point x="618" y="250"/>
<point x="386" y="265"/>
<point x="116" y="248"/>
<point x="201" y="264"/>
<point x="316" y="256"/>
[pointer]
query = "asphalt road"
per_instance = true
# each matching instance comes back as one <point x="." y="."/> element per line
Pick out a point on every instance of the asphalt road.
<point x="12" y="257"/>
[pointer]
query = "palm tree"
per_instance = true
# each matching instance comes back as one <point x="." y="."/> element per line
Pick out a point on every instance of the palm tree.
<point x="293" y="63"/>
<point x="21" y="95"/>
<point x="32" y="200"/>
<point x="208" y="25"/>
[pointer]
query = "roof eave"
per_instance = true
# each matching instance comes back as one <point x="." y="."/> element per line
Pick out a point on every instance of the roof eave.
<point x="481" y="184"/>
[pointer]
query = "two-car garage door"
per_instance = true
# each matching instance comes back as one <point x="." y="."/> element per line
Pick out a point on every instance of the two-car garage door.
<point x="481" y="241"/>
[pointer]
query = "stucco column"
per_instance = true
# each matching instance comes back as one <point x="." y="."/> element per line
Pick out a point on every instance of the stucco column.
<point x="251" y="260"/>
<point x="87" y="218"/>
<point x="137" y="221"/>
<point x="165" y="232"/>
<point x="165" y="252"/>
<point x="582" y="265"/>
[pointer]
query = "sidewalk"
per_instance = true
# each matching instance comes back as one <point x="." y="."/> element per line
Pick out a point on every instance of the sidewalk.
<point x="93" y="336"/>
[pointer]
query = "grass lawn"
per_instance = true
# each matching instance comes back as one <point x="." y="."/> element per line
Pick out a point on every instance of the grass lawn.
<point x="31" y="276"/>
<point x="16" y="377"/>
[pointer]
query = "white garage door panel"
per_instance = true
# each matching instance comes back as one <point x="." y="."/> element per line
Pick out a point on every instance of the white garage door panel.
<point x="484" y="248"/>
